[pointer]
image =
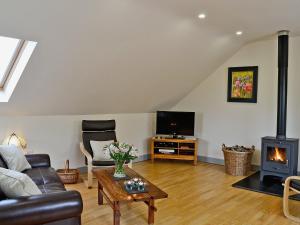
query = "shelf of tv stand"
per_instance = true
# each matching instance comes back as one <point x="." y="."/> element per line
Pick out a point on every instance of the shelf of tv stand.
<point x="184" y="149"/>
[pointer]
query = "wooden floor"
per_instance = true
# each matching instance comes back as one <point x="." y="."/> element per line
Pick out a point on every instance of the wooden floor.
<point x="198" y="195"/>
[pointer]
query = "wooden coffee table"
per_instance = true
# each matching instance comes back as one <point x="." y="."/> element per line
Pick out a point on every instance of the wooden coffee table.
<point x="114" y="192"/>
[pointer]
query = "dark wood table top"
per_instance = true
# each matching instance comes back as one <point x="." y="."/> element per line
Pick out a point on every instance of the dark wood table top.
<point x="116" y="190"/>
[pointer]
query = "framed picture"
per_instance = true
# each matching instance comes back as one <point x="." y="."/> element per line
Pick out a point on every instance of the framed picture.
<point x="242" y="84"/>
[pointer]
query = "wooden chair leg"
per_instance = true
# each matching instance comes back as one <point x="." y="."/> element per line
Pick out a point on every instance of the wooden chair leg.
<point x="89" y="181"/>
<point x="90" y="177"/>
<point x="286" y="194"/>
<point x="130" y="164"/>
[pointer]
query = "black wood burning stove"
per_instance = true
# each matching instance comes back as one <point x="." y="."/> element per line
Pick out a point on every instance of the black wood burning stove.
<point x="279" y="155"/>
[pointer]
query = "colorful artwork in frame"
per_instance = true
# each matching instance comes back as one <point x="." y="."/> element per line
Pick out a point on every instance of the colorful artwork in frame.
<point x="242" y="84"/>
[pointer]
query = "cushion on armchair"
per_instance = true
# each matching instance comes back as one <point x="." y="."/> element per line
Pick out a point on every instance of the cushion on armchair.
<point x="98" y="152"/>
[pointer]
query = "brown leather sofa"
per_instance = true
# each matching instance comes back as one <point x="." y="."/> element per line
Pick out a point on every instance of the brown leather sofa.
<point x="55" y="206"/>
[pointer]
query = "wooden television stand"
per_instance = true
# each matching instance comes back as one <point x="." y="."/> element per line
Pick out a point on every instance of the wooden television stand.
<point x="181" y="149"/>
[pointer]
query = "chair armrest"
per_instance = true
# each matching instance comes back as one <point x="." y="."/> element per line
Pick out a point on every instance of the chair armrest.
<point x="40" y="209"/>
<point x="86" y="153"/>
<point x="292" y="178"/>
<point x="38" y="160"/>
<point x="287" y="183"/>
<point x="289" y="179"/>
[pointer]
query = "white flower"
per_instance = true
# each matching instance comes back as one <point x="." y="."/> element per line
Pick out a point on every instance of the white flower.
<point x="121" y="151"/>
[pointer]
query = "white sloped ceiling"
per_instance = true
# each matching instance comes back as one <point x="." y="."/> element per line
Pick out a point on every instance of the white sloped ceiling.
<point x="122" y="56"/>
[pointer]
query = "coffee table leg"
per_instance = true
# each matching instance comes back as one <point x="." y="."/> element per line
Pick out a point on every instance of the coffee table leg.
<point x="117" y="213"/>
<point x="100" y="195"/>
<point x="151" y="210"/>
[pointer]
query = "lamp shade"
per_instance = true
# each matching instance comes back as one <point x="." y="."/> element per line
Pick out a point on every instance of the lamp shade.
<point x="14" y="139"/>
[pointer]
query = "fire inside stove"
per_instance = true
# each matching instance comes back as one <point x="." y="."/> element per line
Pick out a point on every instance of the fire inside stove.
<point x="277" y="155"/>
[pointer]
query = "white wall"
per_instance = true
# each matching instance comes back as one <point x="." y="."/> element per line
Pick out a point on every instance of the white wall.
<point x="59" y="136"/>
<point x="218" y="121"/>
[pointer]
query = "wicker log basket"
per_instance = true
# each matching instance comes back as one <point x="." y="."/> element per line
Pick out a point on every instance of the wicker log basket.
<point x="67" y="175"/>
<point x="237" y="159"/>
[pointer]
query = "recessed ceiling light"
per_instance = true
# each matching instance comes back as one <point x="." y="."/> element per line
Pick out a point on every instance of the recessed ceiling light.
<point x="201" y="16"/>
<point x="239" y="32"/>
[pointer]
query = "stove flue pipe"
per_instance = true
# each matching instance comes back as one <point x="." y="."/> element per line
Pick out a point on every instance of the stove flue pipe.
<point x="283" y="52"/>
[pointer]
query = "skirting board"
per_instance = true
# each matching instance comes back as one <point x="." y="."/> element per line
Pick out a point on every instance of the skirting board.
<point x="210" y="160"/>
<point x="200" y="158"/>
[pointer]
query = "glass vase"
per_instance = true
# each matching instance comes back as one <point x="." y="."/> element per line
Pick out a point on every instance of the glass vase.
<point x="119" y="169"/>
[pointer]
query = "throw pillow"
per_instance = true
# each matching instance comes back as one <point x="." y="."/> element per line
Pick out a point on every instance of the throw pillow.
<point x="15" y="184"/>
<point x="97" y="148"/>
<point x="14" y="158"/>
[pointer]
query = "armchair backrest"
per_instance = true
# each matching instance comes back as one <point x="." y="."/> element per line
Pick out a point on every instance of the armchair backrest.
<point x="97" y="130"/>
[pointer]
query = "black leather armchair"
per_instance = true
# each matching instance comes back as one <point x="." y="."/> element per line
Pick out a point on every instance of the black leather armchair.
<point x="97" y="130"/>
<point x="55" y="206"/>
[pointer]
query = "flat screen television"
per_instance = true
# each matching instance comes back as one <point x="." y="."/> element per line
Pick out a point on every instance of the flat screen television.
<point x="175" y="123"/>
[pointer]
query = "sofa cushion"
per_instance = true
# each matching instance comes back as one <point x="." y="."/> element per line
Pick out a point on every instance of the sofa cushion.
<point x="14" y="158"/>
<point x="2" y="165"/>
<point x="43" y="175"/>
<point x="15" y="184"/>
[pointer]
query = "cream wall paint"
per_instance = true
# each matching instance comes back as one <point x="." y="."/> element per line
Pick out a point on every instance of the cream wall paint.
<point x="59" y="136"/>
<point x="218" y="121"/>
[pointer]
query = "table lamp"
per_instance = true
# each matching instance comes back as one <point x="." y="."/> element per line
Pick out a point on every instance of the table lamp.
<point x="14" y="139"/>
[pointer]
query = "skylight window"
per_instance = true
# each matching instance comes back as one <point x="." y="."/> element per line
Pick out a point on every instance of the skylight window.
<point x="9" y="48"/>
<point x="14" y="55"/>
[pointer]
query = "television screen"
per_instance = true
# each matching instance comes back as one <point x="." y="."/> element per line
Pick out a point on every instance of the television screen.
<point x="175" y="123"/>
